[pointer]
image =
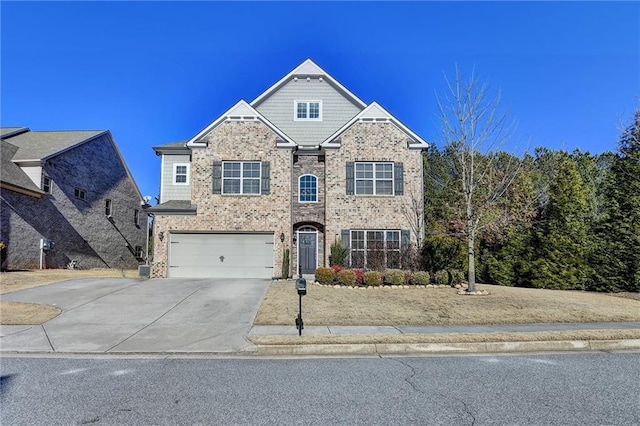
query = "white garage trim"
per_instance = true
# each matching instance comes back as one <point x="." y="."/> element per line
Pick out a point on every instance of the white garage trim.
<point x="221" y="255"/>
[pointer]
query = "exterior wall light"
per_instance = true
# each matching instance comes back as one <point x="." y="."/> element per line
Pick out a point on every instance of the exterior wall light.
<point x="282" y="237"/>
<point x="161" y="235"/>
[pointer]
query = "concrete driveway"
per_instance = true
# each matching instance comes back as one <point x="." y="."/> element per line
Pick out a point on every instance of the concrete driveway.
<point x="106" y="315"/>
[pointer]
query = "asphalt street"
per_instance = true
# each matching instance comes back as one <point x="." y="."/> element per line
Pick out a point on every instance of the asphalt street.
<point x="560" y="389"/>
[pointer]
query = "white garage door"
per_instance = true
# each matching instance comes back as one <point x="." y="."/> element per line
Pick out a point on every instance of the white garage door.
<point x="221" y="256"/>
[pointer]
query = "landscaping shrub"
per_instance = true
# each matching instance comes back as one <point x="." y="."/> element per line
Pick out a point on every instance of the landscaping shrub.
<point x="420" y="278"/>
<point x="359" y="276"/>
<point x="372" y="278"/>
<point x="347" y="277"/>
<point x="338" y="253"/>
<point x="407" y="278"/>
<point x="285" y="263"/>
<point x="457" y="276"/>
<point x="394" y="277"/>
<point x="337" y="269"/>
<point x="325" y="275"/>
<point x="441" y="278"/>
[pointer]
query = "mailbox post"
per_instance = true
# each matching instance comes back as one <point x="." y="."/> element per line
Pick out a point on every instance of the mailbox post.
<point x="301" y="286"/>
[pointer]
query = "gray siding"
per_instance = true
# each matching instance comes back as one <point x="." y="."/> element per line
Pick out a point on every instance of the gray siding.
<point x="171" y="191"/>
<point x="336" y="110"/>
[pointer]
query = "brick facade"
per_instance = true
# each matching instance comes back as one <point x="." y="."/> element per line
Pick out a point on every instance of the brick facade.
<point x="79" y="228"/>
<point x="321" y="147"/>
<point x="234" y="141"/>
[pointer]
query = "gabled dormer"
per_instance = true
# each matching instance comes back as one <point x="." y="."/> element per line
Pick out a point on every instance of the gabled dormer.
<point x="308" y="104"/>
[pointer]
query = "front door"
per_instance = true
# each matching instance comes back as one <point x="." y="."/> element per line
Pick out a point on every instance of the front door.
<point x="307" y="249"/>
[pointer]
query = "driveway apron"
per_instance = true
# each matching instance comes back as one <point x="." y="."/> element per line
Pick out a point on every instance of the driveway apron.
<point x="140" y="316"/>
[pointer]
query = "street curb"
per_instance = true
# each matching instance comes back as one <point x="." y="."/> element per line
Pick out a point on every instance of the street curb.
<point x="449" y="348"/>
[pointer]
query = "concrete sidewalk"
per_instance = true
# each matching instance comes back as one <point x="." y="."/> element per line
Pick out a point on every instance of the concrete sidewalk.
<point x="199" y="316"/>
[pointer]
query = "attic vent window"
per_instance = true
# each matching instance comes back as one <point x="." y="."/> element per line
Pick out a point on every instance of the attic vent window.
<point x="308" y="111"/>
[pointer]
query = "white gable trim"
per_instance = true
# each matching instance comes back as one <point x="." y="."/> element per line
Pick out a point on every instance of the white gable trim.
<point x="375" y="113"/>
<point x="308" y="69"/>
<point x="241" y="111"/>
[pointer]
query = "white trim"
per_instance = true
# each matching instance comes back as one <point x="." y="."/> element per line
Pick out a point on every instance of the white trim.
<point x="241" y="178"/>
<point x="299" y="189"/>
<point x="306" y="69"/>
<point x="373" y="178"/>
<point x="298" y="232"/>
<point x="175" y="174"/>
<point x="384" y="244"/>
<point x="160" y="201"/>
<point x="307" y="102"/>
<point x="243" y="107"/>
<point x="376" y="113"/>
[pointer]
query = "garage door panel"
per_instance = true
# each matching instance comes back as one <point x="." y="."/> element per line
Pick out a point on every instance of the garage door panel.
<point x="221" y="255"/>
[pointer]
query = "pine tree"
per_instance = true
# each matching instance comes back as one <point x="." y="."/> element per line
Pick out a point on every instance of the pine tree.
<point x="617" y="257"/>
<point x="561" y="239"/>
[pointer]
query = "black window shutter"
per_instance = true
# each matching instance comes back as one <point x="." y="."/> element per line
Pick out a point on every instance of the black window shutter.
<point x="266" y="178"/>
<point x="398" y="182"/>
<point x="350" y="178"/>
<point x="217" y="177"/>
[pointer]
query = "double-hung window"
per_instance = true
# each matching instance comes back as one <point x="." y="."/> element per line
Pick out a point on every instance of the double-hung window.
<point x="308" y="110"/>
<point x="46" y="184"/>
<point x="241" y="177"/>
<point x="374" y="178"/>
<point x="308" y="189"/>
<point x="181" y="174"/>
<point x="376" y="249"/>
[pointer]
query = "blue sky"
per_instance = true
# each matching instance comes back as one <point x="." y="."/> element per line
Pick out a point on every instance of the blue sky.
<point x="159" y="72"/>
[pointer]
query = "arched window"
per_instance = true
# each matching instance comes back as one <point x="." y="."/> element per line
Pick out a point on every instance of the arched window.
<point x="308" y="189"/>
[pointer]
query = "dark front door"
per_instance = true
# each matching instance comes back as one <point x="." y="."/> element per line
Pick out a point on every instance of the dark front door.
<point x="308" y="248"/>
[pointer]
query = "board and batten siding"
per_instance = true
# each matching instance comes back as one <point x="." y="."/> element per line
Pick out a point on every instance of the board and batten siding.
<point x="336" y="110"/>
<point x="171" y="191"/>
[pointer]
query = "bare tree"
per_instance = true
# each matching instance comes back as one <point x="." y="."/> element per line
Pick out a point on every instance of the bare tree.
<point x="473" y="128"/>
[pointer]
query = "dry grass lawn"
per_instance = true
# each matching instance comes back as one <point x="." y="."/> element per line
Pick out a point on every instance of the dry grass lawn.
<point x="325" y="305"/>
<point x="22" y="280"/>
<point x="19" y="313"/>
<point x="539" y="336"/>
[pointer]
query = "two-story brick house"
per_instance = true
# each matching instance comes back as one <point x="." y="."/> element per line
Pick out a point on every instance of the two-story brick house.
<point x="305" y="164"/>
<point x="72" y="188"/>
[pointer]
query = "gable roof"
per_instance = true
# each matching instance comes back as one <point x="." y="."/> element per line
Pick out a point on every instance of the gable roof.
<point x="308" y="69"/>
<point x="38" y="146"/>
<point x="376" y="113"/>
<point x="11" y="175"/>
<point x="7" y="132"/>
<point x="20" y="145"/>
<point x="241" y="111"/>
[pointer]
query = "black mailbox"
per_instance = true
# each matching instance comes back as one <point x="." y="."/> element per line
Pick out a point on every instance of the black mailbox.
<point x="301" y="286"/>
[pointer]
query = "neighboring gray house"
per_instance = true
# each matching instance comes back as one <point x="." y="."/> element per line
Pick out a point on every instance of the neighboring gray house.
<point x="72" y="188"/>
<point x="305" y="164"/>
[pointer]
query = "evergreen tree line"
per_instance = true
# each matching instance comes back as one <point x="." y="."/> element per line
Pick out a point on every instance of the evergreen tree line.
<point x="566" y="221"/>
